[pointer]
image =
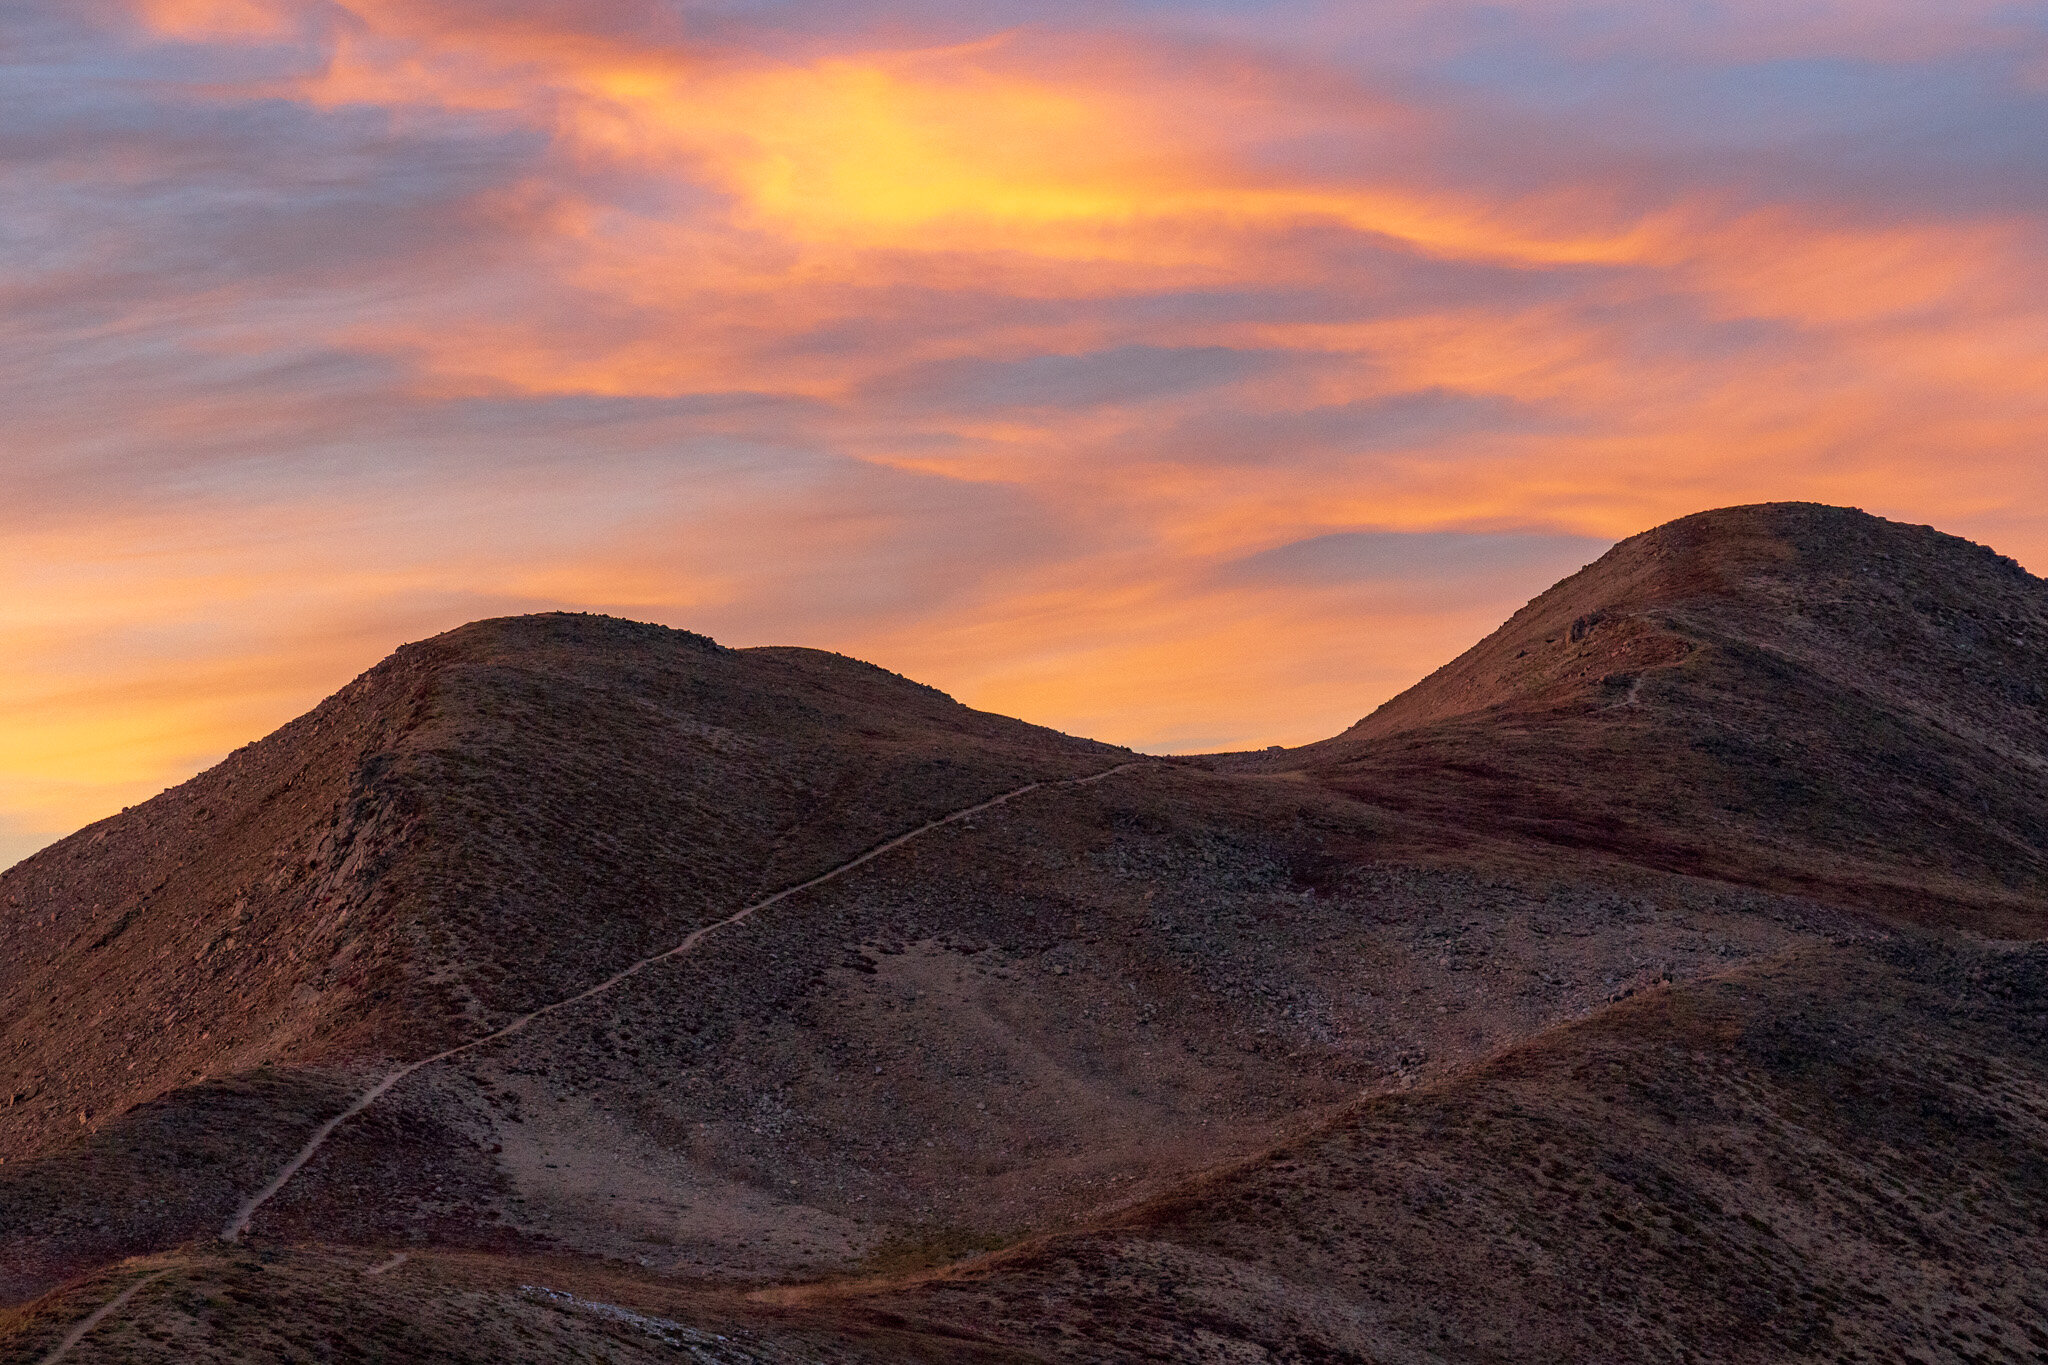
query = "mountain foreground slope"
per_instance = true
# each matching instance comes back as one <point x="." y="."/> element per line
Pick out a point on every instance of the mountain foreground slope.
<point x="1660" y="979"/>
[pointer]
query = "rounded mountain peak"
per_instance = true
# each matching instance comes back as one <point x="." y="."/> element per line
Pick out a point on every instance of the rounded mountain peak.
<point x="1844" y="591"/>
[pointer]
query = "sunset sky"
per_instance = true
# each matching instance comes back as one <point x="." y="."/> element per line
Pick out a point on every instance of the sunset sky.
<point x="1188" y="375"/>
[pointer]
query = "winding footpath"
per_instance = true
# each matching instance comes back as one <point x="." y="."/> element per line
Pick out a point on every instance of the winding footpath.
<point x="239" y="1224"/>
<point x="77" y="1334"/>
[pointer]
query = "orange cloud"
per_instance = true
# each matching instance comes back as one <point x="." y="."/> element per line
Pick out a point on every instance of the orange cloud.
<point x="982" y="359"/>
<point x="216" y="19"/>
<point x="1075" y="156"/>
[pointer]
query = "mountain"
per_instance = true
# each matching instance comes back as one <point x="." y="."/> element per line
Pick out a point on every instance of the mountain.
<point x="1661" y="978"/>
<point x="1790" y="695"/>
<point x="1838" y="1155"/>
<point x="441" y="846"/>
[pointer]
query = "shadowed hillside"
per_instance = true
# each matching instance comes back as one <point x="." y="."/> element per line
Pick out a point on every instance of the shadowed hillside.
<point x="1622" y="991"/>
<point x="1842" y="1156"/>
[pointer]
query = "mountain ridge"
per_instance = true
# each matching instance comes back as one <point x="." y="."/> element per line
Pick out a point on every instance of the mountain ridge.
<point x="1834" y="731"/>
<point x="1682" y="877"/>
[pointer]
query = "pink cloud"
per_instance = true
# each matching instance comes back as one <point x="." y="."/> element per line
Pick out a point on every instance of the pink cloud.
<point x="983" y="354"/>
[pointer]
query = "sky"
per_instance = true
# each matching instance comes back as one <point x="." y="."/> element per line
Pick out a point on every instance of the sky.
<point x="1188" y="375"/>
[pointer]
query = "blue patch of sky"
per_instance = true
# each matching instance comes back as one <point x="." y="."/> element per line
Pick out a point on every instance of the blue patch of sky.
<point x="1379" y="556"/>
<point x="1974" y="104"/>
<point x="1374" y="426"/>
<point x="1361" y="278"/>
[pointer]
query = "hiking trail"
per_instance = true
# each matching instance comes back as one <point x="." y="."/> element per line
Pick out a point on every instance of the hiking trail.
<point x="239" y="1223"/>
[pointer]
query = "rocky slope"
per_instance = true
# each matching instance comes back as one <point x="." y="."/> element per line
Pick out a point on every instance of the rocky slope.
<point x="453" y="839"/>
<point x="1622" y="991"/>
<point x="1841" y="1155"/>
<point x="1790" y="695"/>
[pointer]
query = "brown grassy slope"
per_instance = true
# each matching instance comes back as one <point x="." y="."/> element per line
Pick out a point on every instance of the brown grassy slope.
<point x="477" y="823"/>
<point x="1069" y="1002"/>
<point x="169" y="1169"/>
<point x="216" y="1306"/>
<point x="1841" y="1155"/>
<point x="1833" y="1155"/>
<point x="1789" y="695"/>
<point x="1028" y="1019"/>
<point x="484" y="822"/>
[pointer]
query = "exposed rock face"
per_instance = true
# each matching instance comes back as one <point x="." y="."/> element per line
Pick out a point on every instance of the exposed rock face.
<point x="1621" y="991"/>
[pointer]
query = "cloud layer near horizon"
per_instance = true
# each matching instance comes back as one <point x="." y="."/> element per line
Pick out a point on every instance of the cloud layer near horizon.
<point x="1193" y="376"/>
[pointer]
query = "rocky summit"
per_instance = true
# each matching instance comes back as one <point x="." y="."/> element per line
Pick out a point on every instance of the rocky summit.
<point x="1662" y="979"/>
